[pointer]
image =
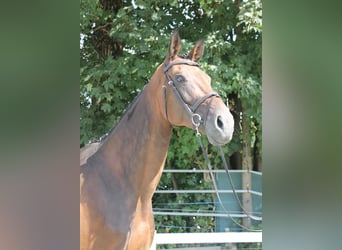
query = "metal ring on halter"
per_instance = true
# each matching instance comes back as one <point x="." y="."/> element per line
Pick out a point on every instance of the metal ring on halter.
<point x="196" y="124"/>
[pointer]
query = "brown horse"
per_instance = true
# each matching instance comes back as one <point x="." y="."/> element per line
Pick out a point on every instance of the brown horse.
<point x="120" y="175"/>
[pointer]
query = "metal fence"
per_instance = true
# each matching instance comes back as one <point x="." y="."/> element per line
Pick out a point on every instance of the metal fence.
<point x="223" y="220"/>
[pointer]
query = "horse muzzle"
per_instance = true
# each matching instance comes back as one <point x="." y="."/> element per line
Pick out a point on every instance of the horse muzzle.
<point x="219" y="125"/>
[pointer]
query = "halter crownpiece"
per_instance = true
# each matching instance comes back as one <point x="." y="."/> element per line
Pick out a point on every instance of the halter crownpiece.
<point x="186" y="62"/>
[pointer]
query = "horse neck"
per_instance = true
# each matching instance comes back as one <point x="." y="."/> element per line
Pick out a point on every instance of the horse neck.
<point x="136" y="150"/>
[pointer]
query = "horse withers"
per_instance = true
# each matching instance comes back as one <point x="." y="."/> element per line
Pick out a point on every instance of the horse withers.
<point x="120" y="174"/>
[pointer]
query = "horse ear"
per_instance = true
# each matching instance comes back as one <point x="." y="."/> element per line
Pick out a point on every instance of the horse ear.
<point x="197" y="51"/>
<point x="174" y="47"/>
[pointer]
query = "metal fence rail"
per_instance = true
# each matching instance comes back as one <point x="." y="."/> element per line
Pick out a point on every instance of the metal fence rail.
<point x="195" y="170"/>
<point x="196" y="191"/>
<point x="190" y="238"/>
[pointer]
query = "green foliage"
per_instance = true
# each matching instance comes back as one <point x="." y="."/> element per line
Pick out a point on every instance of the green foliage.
<point x="123" y="43"/>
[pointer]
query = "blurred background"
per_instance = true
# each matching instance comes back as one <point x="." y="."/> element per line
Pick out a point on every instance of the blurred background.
<point x="40" y="113"/>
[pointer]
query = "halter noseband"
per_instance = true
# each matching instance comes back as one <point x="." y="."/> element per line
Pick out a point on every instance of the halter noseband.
<point x="196" y="119"/>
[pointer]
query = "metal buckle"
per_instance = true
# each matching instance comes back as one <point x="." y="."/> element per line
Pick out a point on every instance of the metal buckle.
<point x="196" y="124"/>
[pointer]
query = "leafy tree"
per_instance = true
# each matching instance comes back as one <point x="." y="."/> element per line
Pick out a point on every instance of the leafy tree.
<point x="122" y="43"/>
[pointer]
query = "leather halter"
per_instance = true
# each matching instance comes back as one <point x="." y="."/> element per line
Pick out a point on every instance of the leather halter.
<point x="191" y="109"/>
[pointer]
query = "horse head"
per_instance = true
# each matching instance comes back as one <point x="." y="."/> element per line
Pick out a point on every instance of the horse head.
<point x="189" y="99"/>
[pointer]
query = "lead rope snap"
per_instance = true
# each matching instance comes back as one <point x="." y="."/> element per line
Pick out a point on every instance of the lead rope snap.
<point x="196" y="124"/>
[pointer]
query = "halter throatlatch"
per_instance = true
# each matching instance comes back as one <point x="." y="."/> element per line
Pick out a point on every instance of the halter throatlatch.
<point x="196" y="118"/>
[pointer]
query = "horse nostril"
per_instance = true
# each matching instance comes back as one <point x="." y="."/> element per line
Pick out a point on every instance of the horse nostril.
<point x="219" y="122"/>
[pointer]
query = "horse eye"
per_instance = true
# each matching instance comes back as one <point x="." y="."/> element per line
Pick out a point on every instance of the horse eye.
<point x="180" y="78"/>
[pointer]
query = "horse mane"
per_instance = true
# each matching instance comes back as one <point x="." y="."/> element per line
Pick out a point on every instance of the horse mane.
<point x="126" y="111"/>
